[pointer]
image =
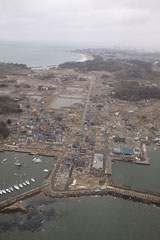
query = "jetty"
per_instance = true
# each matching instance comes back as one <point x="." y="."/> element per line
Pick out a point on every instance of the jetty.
<point x="128" y="193"/>
<point x="11" y="201"/>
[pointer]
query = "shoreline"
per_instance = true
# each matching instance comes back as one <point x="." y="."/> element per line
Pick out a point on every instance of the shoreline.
<point x="80" y="57"/>
<point x="84" y="58"/>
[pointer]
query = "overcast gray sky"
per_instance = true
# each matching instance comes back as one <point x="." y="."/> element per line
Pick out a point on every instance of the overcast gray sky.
<point x="101" y="23"/>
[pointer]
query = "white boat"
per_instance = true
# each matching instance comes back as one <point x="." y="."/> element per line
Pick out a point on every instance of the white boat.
<point x="8" y="190"/>
<point x="24" y="184"/>
<point x="16" y="187"/>
<point x="11" y="188"/>
<point x="3" y="191"/>
<point x="45" y="170"/>
<point x="28" y="183"/>
<point x="37" y="160"/>
<point x="32" y="179"/>
<point x="4" y="160"/>
<point x="21" y="186"/>
<point x="18" y="164"/>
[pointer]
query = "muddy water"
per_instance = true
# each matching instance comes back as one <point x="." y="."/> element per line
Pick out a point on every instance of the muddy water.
<point x="63" y="102"/>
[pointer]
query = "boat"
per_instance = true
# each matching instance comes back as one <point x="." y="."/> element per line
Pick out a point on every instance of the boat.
<point x="8" y="190"/>
<point x="45" y="170"/>
<point x="18" y="164"/>
<point x="4" y="160"/>
<point x="24" y="184"/>
<point x="28" y="183"/>
<point x="3" y="191"/>
<point x="21" y="186"/>
<point x="32" y="179"/>
<point x="36" y="160"/>
<point x="16" y="187"/>
<point x="11" y="188"/>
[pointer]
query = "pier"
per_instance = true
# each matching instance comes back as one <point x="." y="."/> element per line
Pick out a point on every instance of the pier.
<point x="22" y="196"/>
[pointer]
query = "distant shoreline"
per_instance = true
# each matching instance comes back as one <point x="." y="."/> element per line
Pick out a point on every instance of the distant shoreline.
<point x="37" y="57"/>
<point x="85" y="57"/>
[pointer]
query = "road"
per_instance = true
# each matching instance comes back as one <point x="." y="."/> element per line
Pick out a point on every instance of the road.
<point x="59" y="162"/>
<point x="87" y="100"/>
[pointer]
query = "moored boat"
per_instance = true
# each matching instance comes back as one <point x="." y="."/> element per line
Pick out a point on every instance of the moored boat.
<point x="37" y="160"/>
<point x="4" y="160"/>
<point x="11" y="188"/>
<point x="21" y="186"/>
<point x="8" y="190"/>
<point x="27" y="182"/>
<point x="16" y="187"/>
<point x="18" y="164"/>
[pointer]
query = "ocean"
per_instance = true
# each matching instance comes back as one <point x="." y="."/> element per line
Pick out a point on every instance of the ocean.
<point x="38" y="56"/>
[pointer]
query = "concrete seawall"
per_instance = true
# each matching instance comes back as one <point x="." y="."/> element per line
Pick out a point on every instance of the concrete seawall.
<point x="128" y="193"/>
<point x="121" y="192"/>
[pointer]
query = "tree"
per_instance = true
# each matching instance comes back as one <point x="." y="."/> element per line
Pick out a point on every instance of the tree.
<point x="4" y="131"/>
<point x="9" y="121"/>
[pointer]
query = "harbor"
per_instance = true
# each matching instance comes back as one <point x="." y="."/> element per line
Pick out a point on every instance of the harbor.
<point x="29" y="186"/>
<point x="6" y="203"/>
<point x="21" y="172"/>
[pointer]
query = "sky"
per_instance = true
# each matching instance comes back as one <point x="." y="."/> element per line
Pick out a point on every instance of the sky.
<point x="87" y="23"/>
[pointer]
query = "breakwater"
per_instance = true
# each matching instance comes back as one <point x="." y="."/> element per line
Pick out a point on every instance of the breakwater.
<point x="128" y="193"/>
<point x="143" y="196"/>
<point x="22" y="196"/>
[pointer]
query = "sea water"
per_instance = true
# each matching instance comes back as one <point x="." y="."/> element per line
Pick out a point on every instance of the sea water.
<point x="41" y="56"/>
<point x="89" y="218"/>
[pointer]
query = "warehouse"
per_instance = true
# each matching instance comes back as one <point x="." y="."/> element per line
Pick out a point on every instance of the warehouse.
<point x="98" y="161"/>
<point x="124" y="151"/>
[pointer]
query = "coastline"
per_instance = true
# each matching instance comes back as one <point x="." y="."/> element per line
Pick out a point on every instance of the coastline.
<point x="30" y="56"/>
<point x="86" y="57"/>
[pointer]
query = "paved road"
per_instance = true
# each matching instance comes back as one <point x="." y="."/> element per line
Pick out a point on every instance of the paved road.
<point x="87" y="100"/>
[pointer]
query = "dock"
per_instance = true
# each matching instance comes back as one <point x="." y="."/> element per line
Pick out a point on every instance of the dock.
<point x="11" y="201"/>
<point x="108" y="169"/>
